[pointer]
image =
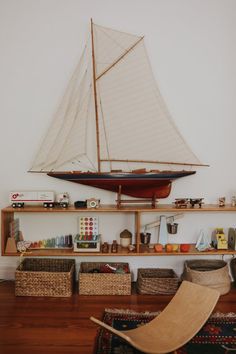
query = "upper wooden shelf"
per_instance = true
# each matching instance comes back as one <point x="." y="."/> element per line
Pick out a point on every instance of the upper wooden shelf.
<point x="113" y="208"/>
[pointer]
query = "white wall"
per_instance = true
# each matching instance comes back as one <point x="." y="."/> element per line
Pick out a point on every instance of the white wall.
<point x="191" y="44"/>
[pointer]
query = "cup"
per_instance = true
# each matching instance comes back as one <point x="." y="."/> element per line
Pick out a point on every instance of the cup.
<point x="172" y="228"/>
<point x="145" y="238"/>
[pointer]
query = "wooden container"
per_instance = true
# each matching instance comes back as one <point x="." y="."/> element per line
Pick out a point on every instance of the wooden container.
<point x="157" y="281"/>
<point x="103" y="283"/>
<point x="212" y="273"/>
<point x="45" y="277"/>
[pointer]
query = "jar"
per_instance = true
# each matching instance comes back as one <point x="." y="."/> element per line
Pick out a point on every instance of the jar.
<point x="114" y="246"/>
<point x="125" y="238"/>
<point x="145" y="237"/>
<point x="233" y="201"/>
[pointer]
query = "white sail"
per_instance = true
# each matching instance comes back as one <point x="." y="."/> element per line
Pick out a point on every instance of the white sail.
<point x="134" y="123"/>
<point x="67" y="137"/>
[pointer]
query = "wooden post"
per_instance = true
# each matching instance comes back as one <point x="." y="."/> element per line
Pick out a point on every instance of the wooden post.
<point x="137" y="230"/>
<point x="154" y="201"/>
<point x="118" y="201"/>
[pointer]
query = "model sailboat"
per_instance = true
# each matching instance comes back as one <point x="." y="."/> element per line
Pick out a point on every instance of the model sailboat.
<point x="112" y="115"/>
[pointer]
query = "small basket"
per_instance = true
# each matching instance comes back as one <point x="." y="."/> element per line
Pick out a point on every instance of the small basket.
<point x="45" y="277"/>
<point x="212" y="273"/>
<point x="233" y="268"/>
<point x="157" y="281"/>
<point x="103" y="283"/>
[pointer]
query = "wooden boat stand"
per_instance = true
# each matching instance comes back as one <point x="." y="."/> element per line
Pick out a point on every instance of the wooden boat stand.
<point x="153" y="201"/>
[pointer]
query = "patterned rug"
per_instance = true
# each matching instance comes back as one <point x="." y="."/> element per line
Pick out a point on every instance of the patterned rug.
<point x="217" y="336"/>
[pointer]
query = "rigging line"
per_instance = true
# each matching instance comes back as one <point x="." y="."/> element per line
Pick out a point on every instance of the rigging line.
<point x="119" y="59"/>
<point x="114" y="30"/>
<point x="104" y="129"/>
<point x="87" y="119"/>
<point x="55" y="161"/>
<point x="84" y="163"/>
<point x="69" y="91"/>
<point x="86" y="130"/>
<point x="110" y="37"/>
<point x="91" y="162"/>
<point x="158" y="94"/>
<point x="66" y="138"/>
<point x="67" y="161"/>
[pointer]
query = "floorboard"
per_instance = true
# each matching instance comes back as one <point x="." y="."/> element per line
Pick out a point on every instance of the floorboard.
<point x="37" y="325"/>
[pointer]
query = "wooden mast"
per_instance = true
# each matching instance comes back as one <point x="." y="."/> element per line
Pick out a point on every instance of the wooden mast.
<point x="95" y="100"/>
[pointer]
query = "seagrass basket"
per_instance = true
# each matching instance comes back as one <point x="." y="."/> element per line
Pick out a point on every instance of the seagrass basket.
<point x="103" y="283"/>
<point x="157" y="281"/>
<point x="233" y="268"/>
<point x="45" y="277"/>
<point x="212" y="273"/>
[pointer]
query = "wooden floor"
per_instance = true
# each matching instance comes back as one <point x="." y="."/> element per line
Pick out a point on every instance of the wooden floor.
<point x="31" y="325"/>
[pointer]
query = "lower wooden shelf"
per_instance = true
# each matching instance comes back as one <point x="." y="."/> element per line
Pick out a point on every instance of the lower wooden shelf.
<point x="144" y="251"/>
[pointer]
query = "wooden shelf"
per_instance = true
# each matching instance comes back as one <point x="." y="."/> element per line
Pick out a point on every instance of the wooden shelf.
<point x="9" y="212"/>
<point x="144" y="251"/>
<point x="113" y="208"/>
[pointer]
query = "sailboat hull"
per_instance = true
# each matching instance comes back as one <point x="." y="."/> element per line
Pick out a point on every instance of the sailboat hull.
<point x="139" y="185"/>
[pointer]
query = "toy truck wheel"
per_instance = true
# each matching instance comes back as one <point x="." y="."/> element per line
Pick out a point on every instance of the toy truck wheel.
<point x="64" y="205"/>
<point x="48" y="205"/>
<point x="20" y="205"/>
<point x="13" y="205"/>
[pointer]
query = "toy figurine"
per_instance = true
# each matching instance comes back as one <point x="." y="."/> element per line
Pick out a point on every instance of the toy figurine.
<point x="198" y="201"/>
<point x="219" y="240"/>
<point x="222" y="202"/>
<point x="181" y="202"/>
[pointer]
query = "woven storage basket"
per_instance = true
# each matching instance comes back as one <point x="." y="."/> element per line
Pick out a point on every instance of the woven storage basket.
<point x="212" y="273"/>
<point x="103" y="283"/>
<point x="157" y="281"/>
<point x="45" y="277"/>
<point x="233" y="268"/>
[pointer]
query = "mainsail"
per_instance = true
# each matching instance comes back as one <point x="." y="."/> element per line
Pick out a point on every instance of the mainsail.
<point x="133" y="122"/>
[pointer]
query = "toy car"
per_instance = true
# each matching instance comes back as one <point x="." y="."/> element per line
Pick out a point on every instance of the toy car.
<point x="198" y="201"/>
<point x="181" y="202"/>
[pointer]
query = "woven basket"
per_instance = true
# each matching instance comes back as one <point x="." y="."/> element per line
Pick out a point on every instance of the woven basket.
<point x="45" y="277"/>
<point x="157" y="281"/>
<point x="233" y="268"/>
<point x="212" y="273"/>
<point x="103" y="283"/>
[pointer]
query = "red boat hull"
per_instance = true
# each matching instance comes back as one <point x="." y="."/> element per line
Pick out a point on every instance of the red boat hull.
<point x="135" y="188"/>
<point x="143" y="185"/>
